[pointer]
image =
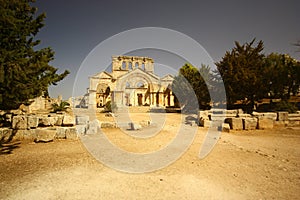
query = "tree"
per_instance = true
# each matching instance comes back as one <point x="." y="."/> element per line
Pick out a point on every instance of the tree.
<point x="282" y="72"/>
<point x="25" y="72"/>
<point x="189" y="86"/>
<point x="241" y="72"/>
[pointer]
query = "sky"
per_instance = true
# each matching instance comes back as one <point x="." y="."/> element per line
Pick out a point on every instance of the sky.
<point x="73" y="28"/>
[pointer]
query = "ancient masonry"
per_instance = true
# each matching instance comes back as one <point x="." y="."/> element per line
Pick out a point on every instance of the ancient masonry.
<point x="132" y="82"/>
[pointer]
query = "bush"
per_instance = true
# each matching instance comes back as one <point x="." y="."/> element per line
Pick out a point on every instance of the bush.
<point x="286" y="106"/>
<point x="63" y="106"/>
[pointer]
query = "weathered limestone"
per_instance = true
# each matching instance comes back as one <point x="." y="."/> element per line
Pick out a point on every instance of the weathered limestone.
<point x="94" y="126"/>
<point x="235" y="123"/>
<point x="132" y="82"/>
<point x="225" y="127"/>
<point x="68" y="120"/>
<point x="135" y="126"/>
<point x="250" y="123"/>
<point x="265" y="123"/>
<point x="282" y="116"/>
<point x="45" y="121"/>
<point x="82" y="120"/>
<point x="19" y="122"/>
<point x="71" y="133"/>
<point x="82" y="129"/>
<point x="45" y="134"/>
<point x="32" y="121"/>
<point x="108" y="125"/>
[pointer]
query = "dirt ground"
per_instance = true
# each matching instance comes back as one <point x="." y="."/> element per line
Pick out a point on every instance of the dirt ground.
<point x="261" y="164"/>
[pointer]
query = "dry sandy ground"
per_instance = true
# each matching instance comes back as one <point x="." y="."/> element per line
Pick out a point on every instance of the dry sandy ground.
<point x="243" y="165"/>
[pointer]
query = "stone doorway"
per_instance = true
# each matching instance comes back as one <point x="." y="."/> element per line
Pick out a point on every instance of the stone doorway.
<point x="140" y="99"/>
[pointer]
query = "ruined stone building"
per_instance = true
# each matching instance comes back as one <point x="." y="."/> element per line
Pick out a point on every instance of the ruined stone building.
<point x="132" y="82"/>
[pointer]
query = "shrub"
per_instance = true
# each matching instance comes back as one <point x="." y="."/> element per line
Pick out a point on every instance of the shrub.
<point x="63" y="106"/>
<point x="285" y="106"/>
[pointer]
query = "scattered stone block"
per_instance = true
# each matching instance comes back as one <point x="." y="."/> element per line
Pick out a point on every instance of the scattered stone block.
<point x="81" y="129"/>
<point x="32" y="121"/>
<point x="265" y="123"/>
<point x="235" y="123"/>
<point x="108" y="125"/>
<point x="44" y="134"/>
<point x="69" y="120"/>
<point x="71" y="133"/>
<point x="135" y="126"/>
<point x="270" y="115"/>
<point x="282" y="116"/>
<point x="61" y="133"/>
<point x="203" y="114"/>
<point x="19" y="122"/>
<point x="225" y="127"/>
<point x="93" y="127"/>
<point x="250" y="123"/>
<point x="204" y="123"/>
<point x="82" y="120"/>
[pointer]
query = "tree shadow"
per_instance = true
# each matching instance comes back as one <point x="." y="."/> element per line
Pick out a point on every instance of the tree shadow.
<point x="7" y="148"/>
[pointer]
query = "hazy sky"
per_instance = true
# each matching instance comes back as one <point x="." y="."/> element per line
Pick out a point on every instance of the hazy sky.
<point x="75" y="27"/>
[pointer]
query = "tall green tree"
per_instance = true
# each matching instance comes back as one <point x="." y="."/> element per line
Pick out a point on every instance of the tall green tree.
<point x="282" y="72"/>
<point x="25" y="72"/>
<point x="241" y="69"/>
<point x="192" y="85"/>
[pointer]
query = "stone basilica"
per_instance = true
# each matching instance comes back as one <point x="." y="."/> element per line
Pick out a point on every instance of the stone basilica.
<point x="132" y="82"/>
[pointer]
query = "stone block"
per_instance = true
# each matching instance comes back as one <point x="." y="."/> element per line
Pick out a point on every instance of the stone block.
<point x="69" y="120"/>
<point x="82" y="120"/>
<point x="204" y="123"/>
<point x="225" y="127"/>
<point x="19" y="122"/>
<point x="108" y="125"/>
<point x="93" y="126"/>
<point x="32" y="121"/>
<point x="282" y="116"/>
<point x="81" y="129"/>
<point x="45" y="134"/>
<point x="61" y="133"/>
<point x="25" y="135"/>
<point x="135" y="126"/>
<point x="271" y="115"/>
<point x="265" y="123"/>
<point x="235" y="123"/>
<point x="59" y="120"/>
<point x="71" y="133"/>
<point x="250" y="123"/>
<point x="203" y="114"/>
<point x="45" y="121"/>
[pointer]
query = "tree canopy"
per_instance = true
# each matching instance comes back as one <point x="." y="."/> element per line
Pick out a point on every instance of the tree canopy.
<point x="25" y="72"/>
<point x="189" y="83"/>
<point x="241" y="72"/>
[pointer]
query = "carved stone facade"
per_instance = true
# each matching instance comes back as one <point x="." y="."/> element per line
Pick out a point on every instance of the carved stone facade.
<point x="132" y="82"/>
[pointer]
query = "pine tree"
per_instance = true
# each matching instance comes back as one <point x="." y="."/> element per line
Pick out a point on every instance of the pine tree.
<point x="25" y="72"/>
<point x="241" y="70"/>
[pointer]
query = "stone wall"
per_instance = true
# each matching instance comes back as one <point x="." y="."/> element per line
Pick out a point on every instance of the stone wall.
<point x="43" y="128"/>
<point x="237" y="120"/>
